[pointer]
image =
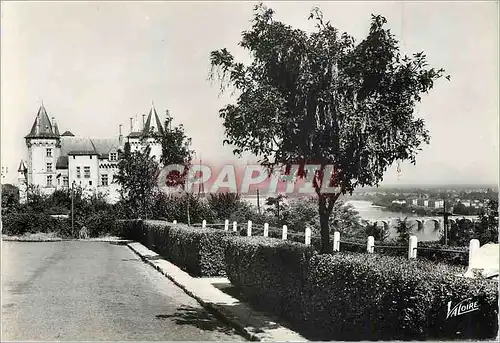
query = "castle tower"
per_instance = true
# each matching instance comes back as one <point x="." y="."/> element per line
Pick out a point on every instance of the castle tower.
<point x="44" y="148"/>
<point x="22" y="182"/>
<point x="151" y="130"/>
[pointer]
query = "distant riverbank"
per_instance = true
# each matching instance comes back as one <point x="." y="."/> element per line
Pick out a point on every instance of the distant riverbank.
<point x="366" y="209"/>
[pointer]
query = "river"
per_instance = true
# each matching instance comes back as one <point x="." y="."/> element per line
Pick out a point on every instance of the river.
<point x="369" y="211"/>
<point x="365" y="209"/>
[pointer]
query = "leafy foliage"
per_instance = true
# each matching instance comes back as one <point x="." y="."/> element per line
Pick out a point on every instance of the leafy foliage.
<point x="379" y="233"/>
<point x="175" y="146"/>
<point x="320" y="98"/>
<point x="487" y="225"/>
<point x="403" y="228"/>
<point x="224" y="204"/>
<point x="137" y="175"/>
<point x="20" y="223"/>
<point x="10" y="198"/>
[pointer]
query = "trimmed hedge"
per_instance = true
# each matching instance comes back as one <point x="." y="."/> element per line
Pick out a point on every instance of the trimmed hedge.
<point x="197" y="251"/>
<point x="270" y="272"/>
<point x="352" y="296"/>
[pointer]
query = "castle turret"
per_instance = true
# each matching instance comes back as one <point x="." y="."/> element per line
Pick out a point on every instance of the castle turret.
<point x="22" y="172"/>
<point x="43" y="144"/>
<point x="151" y="130"/>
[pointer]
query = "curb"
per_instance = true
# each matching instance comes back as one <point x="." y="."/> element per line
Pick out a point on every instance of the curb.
<point x="211" y="307"/>
<point x="111" y="241"/>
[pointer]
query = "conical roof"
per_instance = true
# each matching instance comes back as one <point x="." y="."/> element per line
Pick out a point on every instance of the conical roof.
<point x="68" y="134"/>
<point x="151" y="123"/>
<point x="42" y="127"/>
<point x="22" y="167"/>
<point x="158" y="127"/>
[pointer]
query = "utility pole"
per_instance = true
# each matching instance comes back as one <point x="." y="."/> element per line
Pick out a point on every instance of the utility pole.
<point x="72" y="208"/>
<point x="188" y="200"/>
<point x="258" y="201"/>
<point x="278" y="198"/>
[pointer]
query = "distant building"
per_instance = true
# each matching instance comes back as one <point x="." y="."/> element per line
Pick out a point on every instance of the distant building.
<point x="58" y="160"/>
<point x="399" y="202"/>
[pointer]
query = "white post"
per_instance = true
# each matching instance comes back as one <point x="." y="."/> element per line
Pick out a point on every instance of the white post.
<point x="249" y="228"/>
<point x="226" y="225"/>
<point x="285" y="233"/>
<point x="336" y="241"/>
<point x="412" y="247"/>
<point x="266" y="230"/>
<point x="174" y="222"/>
<point x="370" y="245"/>
<point x="308" y="236"/>
<point x="473" y="247"/>
<point x="235" y="226"/>
<point x="204" y="223"/>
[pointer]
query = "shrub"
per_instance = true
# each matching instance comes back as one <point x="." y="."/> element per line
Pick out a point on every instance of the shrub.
<point x="21" y="223"/>
<point x="100" y="223"/>
<point x="352" y="296"/>
<point x="224" y="204"/>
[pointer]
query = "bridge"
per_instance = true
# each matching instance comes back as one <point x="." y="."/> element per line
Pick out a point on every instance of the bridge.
<point x="420" y="220"/>
<point x="425" y="228"/>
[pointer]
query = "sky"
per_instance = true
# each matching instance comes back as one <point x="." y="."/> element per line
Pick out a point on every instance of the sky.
<point x="94" y="65"/>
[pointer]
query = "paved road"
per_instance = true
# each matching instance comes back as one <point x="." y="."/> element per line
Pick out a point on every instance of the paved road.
<point x="95" y="291"/>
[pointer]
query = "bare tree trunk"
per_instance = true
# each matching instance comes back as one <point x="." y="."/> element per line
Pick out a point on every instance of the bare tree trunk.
<point x="325" y="210"/>
<point x="324" y="227"/>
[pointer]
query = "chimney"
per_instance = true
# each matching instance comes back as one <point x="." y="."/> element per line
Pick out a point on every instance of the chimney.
<point x="38" y="124"/>
<point x="131" y="128"/>
<point x="143" y="123"/>
<point x="53" y="121"/>
<point x="120" y="137"/>
<point x="167" y="112"/>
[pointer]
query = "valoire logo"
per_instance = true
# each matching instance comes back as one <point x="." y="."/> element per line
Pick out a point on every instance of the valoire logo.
<point x="463" y="307"/>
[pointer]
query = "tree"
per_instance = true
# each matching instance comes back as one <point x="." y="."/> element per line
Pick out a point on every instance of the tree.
<point x="319" y="98"/>
<point x="275" y="203"/>
<point x="460" y="232"/>
<point x="486" y="228"/>
<point x="137" y="176"/>
<point x="223" y="204"/>
<point x="10" y="198"/>
<point x="403" y="228"/>
<point x="379" y="233"/>
<point x="175" y="146"/>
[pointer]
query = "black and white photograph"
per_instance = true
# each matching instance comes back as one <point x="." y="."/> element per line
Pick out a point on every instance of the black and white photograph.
<point x="278" y="171"/>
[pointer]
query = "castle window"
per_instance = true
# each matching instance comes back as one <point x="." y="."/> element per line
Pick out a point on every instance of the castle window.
<point x="104" y="179"/>
<point x="78" y="175"/>
<point x="49" y="180"/>
<point x="49" y="167"/>
<point x="49" y="152"/>
<point x="65" y="181"/>
<point x="90" y="182"/>
<point x="112" y="156"/>
<point x="86" y="172"/>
